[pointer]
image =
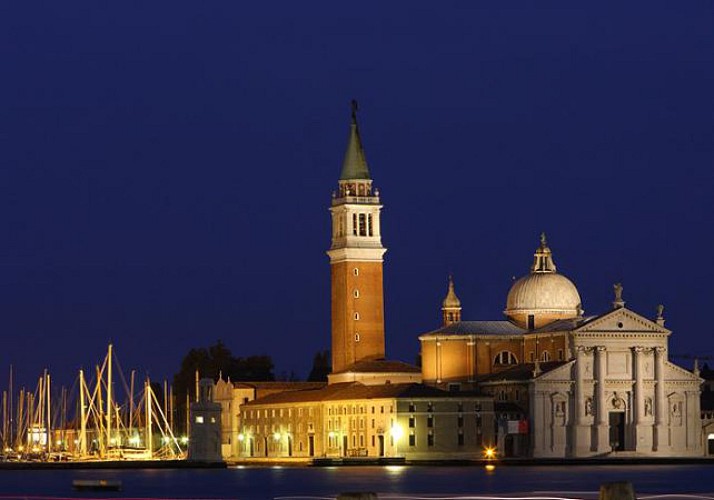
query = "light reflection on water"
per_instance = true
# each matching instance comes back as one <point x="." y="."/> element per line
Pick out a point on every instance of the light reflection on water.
<point x="390" y="482"/>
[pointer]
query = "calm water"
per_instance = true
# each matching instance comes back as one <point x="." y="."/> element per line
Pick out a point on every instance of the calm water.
<point x="398" y="481"/>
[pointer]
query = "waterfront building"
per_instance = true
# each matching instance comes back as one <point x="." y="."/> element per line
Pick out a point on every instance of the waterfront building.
<point x="415" y="421"/>
<point x="231" y="395"/>
<point x="588" y="385"/>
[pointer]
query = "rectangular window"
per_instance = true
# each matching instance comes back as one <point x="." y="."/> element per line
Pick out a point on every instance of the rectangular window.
<point x="531" y="355"/>
<point x="369" y="220"/>
<point x="372" y="440"/>
<point x="199" y="419"/>
<point x="412" y="421"/>
<point x="412" y="407"/>
<point x="372" y="423"/>
<point x="460" y="421"/>
<point x="560" y="355"/>
<point x="412" y="440"/>
<point x="459" y="407"/>
<point x="362" y="225"/>
<point x="461" y="438"/>
<point x="430" y="421"/>
<point x="430" y="440"/>
<point x="381" y="409"/>
<point x="354" y="224"/>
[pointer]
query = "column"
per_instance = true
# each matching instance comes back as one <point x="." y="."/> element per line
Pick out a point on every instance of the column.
<point x="579" y="385"/>
<point x="638" y="353"/>
<point x="642" y="440"/>
<point x="376" y="226"/>
<point x="582" y="430"/>
<point x="602" y="417"/>
<point x="470" y="358"/>
<point x="662" y="440"/>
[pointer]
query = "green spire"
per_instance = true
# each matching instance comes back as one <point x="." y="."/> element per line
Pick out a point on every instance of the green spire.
<point x="355" y="164"/>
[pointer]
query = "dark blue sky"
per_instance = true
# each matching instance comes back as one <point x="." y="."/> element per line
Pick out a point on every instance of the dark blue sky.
<point x="166" y="167"/>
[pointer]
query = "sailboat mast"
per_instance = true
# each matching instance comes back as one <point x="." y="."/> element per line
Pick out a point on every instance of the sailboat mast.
<point x="83" y="417"/>
<point x="131" y="400"/>
<point x="166" y="397"/>
<point x="63" y="419"/>
<point x="171" y="408"/>
<point x="20" y="416"/>
<point x="4" y="420"/>
<point x="48" y="412"/>
<point x="11" y="407"/>
<point x="110" y="409"/>
<point x="149" y="437"/>
<point x="99" y="419"/>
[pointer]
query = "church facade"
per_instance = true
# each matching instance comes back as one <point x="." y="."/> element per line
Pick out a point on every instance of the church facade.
<point x="587" y="385"/>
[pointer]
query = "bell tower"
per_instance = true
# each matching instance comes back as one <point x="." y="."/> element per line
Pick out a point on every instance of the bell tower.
<point x="356" y="257"/>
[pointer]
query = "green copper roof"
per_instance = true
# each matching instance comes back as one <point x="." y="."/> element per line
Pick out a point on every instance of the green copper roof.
<point x="354" y="165"/>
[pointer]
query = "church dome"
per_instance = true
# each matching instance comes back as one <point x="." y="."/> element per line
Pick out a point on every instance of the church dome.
<point x="543" y="296"/>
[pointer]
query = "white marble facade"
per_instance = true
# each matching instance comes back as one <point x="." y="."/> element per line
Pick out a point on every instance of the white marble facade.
<point x="619" y="393"/>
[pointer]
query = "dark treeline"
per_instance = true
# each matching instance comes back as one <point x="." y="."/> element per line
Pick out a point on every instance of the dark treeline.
<point x="217" y="360"/>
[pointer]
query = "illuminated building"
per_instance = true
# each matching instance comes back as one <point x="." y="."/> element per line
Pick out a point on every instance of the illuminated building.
<point x="371" y="407"/>
<point x="588" y="385"/>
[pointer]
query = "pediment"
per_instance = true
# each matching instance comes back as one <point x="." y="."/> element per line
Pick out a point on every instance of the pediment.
<point x="562" y="373"/>
<point x="675" y="372"/>
<point x="621" y="320"/>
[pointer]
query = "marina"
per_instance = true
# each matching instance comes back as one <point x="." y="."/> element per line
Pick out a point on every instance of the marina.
<point x="91" y="423"/>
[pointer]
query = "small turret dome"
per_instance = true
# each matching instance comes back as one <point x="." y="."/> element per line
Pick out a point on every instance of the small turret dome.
<point x="451" y="300"/>
<point x="543" y="296"/>
<point x="451" y="306"/>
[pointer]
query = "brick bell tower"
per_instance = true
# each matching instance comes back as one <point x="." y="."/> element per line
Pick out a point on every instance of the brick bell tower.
<point x="356" y="257"/>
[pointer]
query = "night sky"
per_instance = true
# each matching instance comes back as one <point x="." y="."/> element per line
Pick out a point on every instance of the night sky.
<point x="166" y="168"/>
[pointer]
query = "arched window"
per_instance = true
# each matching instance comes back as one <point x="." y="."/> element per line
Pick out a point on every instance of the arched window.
<point x="505" y="358"/>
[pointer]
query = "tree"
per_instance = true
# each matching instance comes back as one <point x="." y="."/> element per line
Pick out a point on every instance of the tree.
<point x="320" y="367"/>
<point x="210" y="362"/>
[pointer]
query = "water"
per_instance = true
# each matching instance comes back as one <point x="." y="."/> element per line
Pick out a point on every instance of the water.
<point x="247" y="483"/>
